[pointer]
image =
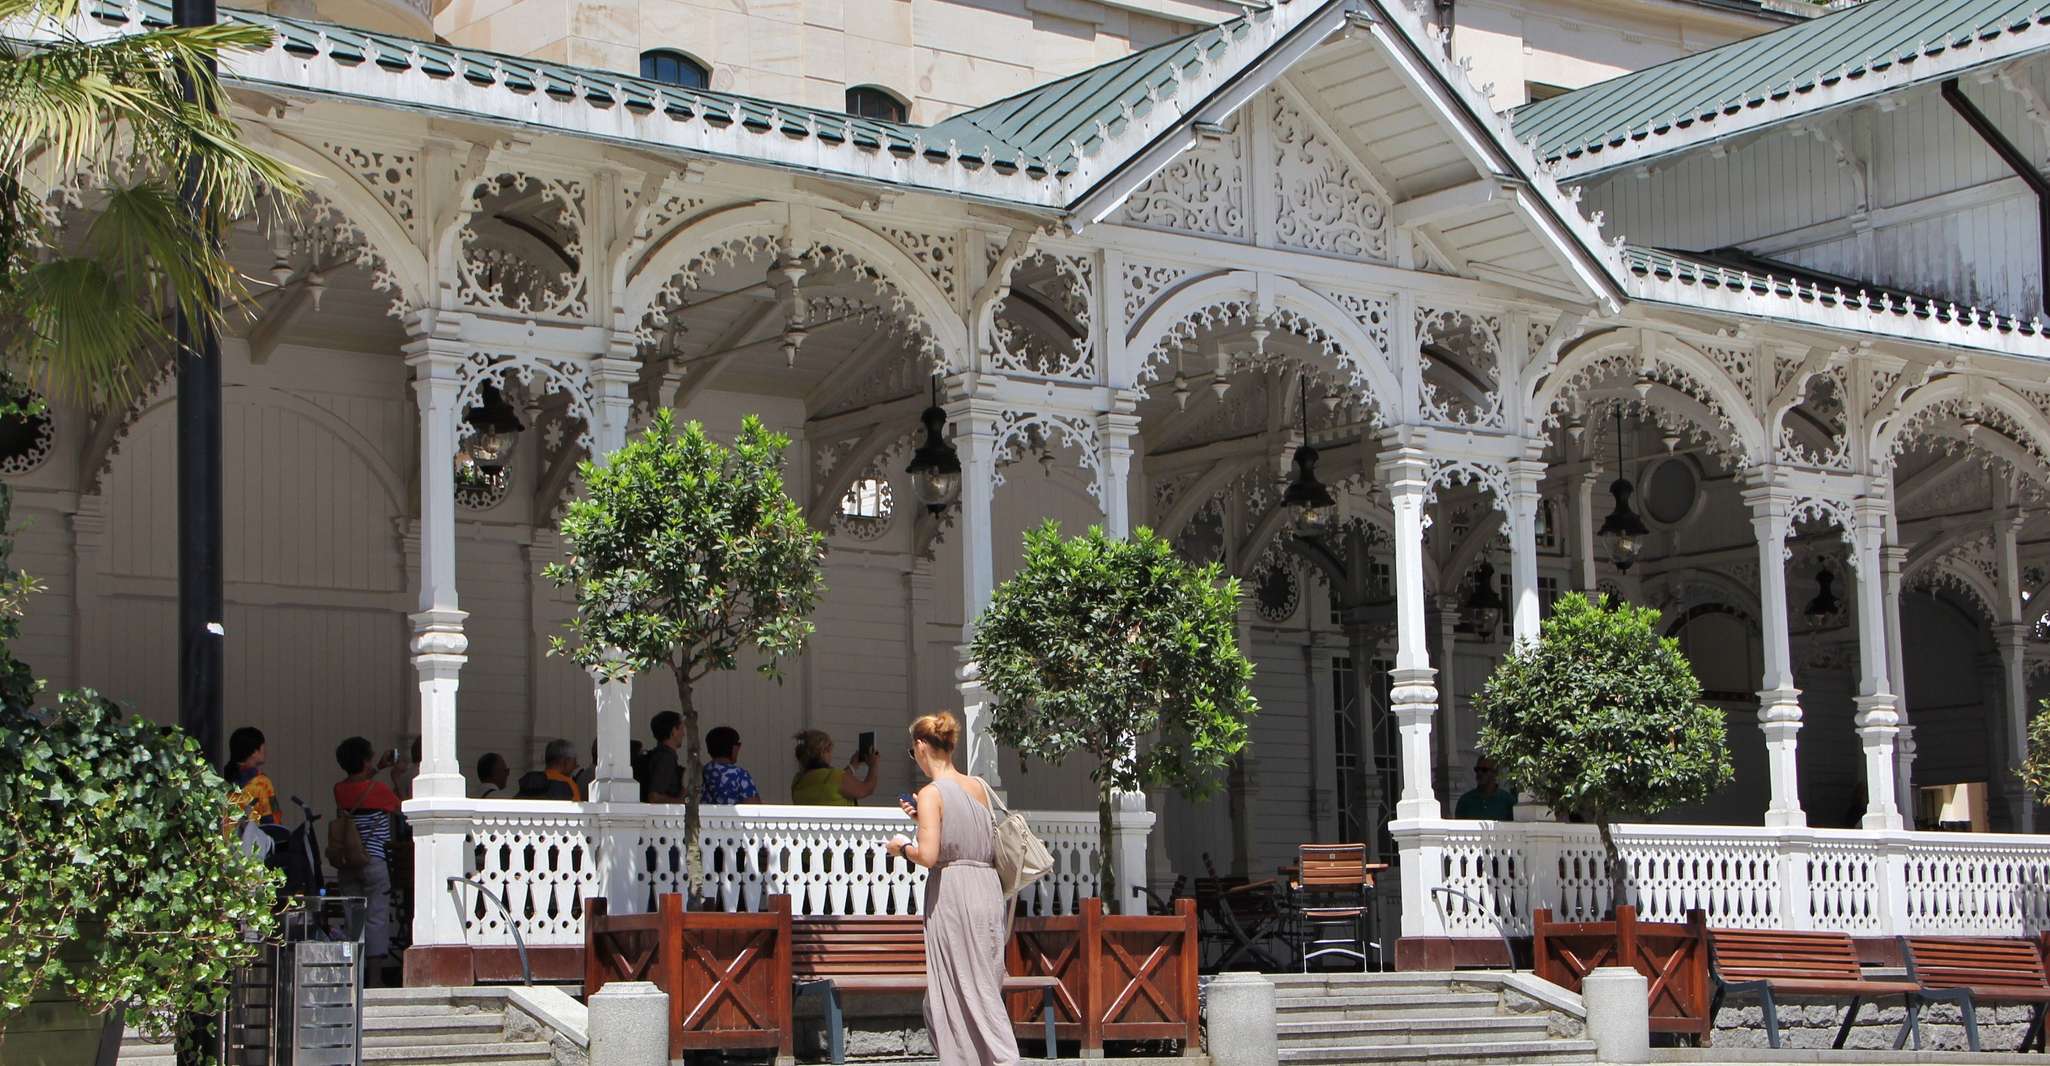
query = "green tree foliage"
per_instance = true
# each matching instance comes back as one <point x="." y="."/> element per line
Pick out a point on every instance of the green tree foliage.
<point x="2035" y="768"/>
<point x="1103" y="647"/>
<point x="88" y="315"/>
<point x="683" y="553"/>
<point x="113" y="838"/>
<point x="1602" y="718"/>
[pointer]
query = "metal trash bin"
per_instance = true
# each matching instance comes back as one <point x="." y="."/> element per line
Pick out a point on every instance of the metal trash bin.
<point x="300" y="1003"/>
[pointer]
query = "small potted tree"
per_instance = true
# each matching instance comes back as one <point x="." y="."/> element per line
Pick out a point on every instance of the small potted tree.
<point x="684" y="554"/>
<point x="1120" y="652"/>
<point x="1601" y="718"/>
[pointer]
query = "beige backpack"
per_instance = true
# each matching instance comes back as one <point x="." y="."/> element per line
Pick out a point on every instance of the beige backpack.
<point x="1021" y="857"/>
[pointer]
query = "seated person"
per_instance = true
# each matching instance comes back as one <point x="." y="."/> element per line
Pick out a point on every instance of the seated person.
<point x="725" y="781"/>
<point x="659" y="771"/>
<point x="820" y="783"/>
<point x="557" y="781"/>
<point x="492" y="775"/>
<point x="1486" y="799"/>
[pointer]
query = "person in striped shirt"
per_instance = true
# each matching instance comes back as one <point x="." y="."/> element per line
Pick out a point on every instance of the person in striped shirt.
<point x="373" y="806"/>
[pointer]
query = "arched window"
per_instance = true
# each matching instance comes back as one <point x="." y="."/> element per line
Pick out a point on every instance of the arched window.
<point x="672" y="67"/>
<point x="867" y="101"/>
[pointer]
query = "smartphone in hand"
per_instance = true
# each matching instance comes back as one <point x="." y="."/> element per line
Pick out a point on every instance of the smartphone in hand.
<point x="909" y="799"/>
<point x="866" y="747"/>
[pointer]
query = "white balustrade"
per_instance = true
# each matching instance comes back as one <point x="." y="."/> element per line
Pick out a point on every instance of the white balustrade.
<point x="544" y="858"/>
<point x="1489" y="878"/>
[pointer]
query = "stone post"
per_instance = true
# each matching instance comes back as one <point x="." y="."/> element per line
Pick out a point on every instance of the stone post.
<point x="1618" y="1014"/>
<point x="629" y="1025"/>
<point x="1239" y="1020"/>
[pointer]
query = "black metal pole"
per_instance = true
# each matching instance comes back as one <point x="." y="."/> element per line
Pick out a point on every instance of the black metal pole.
<point x="200" y="551"/>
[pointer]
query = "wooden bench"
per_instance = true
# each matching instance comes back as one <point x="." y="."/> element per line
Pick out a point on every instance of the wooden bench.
<point x="1981" y="970"/>
<point x="1773" y="962"/>
<point x="882" y="954"/>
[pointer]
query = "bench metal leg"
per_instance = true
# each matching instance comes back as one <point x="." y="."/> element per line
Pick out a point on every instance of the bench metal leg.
<point x="1046" y="1014"/>
<point x="1772" y="1018"/>
<point x="1971" y="1012"/>
<point x="836" y="1028"/>
<point x="1850" y="1015"/>
<point x="2032" y="1037"/>
<point x="1911" y="1024"/>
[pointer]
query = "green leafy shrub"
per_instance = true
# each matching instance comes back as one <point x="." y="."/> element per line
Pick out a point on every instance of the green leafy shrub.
<point x="2034" y="770"/>
<point x="113" y="836"/>
<point x="683" y="553"/>
<point x="1602" y="718"/>
<point x="1103" y="647"/>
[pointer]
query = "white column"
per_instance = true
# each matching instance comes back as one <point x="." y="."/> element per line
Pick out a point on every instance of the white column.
<point x="1448" y="691"/>
<point x="2012" y="637"/>
<point x="1415" y="698"/>
<point x="1779" y="702"/>
<point x="1584" y="572"/>
<point x="1892" y="560"/>
<point x="438" y="641"/>
<point x="1524" y="475"/>
<point x="975" y="440"/>
<point x="1131" y="822"/>
<point x="612" y="779"/>
<point x="1876" y="721"/>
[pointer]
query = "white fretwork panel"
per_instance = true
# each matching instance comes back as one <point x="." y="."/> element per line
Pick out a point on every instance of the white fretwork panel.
<point x="542" y="864"/>
<point x="1978" y="891"/>
<point x="1322" y="203"/>
<point x="1202" y="191"/>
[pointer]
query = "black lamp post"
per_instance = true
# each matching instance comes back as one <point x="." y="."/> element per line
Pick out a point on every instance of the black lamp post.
<point x="1312" y="501"/>
<point x="1622" y="530"/>
<point x="935" y="467"/>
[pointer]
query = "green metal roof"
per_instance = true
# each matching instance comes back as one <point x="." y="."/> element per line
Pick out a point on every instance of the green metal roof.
<point x="1062" y="119"/>
<point x="1847" y="45"/>
<point x="600" y="89"/>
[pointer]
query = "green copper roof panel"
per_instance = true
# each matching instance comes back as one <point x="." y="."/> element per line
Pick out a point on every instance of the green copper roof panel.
<point x="1848" y="44"/>
<point x="1050" y="121"/>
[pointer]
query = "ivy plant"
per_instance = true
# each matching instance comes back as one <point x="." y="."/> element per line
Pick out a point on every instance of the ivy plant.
<point x="684" y="553"/>
<point x="1602" y="719"/>
<point x="1121" y="652"/>
<point x="115" y="852"/>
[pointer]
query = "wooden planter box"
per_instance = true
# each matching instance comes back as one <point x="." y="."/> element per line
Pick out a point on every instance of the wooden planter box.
<point x="1123" y="976"/>
<point x="727" y="975"/>
<point x="1673" y="958"/>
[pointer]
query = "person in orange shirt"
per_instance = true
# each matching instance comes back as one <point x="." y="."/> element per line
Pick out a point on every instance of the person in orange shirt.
<point x="249" y="787"/>
<point x="557" y="780"/>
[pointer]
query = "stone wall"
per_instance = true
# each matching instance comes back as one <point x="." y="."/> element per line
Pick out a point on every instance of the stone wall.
<point x="1814" y="1026"/>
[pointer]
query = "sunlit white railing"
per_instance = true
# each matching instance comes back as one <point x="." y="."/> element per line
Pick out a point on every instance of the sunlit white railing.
<point x="545" y="858"/>
<point x="1863" y="883"/>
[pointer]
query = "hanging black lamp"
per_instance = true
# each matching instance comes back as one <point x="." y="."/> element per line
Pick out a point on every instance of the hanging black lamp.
<point x="1622" y="530"/>
<point x="494" y="430"/>
<point x="1484" y="604"/>
<point x="1825" y="605"/>
<point x="1312" y="501"/>
<point x="935" y="467"/>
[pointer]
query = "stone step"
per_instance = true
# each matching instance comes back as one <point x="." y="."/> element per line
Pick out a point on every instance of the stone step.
<point x="1334" y="987"/>
<point x="1449" y="1054"/>
<point x="477" y="1027"/>
<point x="1427" y="1029"/>
<point x="1366" y="1004"/>
<point x="373" y="1009"/>
<point x="519" y="1053"/>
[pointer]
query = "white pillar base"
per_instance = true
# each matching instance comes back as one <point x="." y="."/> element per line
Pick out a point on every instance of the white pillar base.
<point x="1878" y="726"/>
<point x="438" y="647"/>
<point x="1779" y="718"/>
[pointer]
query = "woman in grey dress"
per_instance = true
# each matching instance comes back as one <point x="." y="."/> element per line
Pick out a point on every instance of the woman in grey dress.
<point x="964" y="904"/>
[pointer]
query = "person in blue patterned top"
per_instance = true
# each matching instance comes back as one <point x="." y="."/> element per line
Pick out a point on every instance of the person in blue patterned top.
<point x="725" y="781"/>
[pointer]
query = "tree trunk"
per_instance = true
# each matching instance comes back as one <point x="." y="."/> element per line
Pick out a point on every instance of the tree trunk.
<point x="693" y="791"/>
<point x="1106" y="869"/>
<point x="1614" y="859"/>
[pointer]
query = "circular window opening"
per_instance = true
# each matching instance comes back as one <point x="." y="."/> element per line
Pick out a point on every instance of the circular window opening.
<point x="1670" y="491"/>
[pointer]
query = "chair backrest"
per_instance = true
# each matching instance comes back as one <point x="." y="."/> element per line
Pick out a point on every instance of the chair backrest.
<point x="1332" y="867"/>
<point x="1758" y="954"/>
<point x="877" y="945"/>
<point x="1950" y="961"/>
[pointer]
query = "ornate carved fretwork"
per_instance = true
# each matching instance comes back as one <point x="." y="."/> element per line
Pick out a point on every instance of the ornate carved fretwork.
<point x="1070" y="286"/>
<point x="1475" y="340"/>
<point x="1487" y="476"/>
<point x="1016" y="430"/>
<point x="935" y="252"/>
<point x="523" y="249"/>
<point x="535" y="374"/>
<point x="386" y="173"/>
<point x="1324" y="206"/>
<point x="1202" y="191"/>
<point x="1143" y="283"/>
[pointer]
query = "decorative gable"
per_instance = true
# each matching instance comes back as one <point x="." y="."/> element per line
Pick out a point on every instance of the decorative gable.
<point x="1322" y="202"/>
<point x="1202" y="191"/>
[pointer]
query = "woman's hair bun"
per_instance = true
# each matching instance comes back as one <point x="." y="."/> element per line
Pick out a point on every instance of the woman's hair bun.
<point x="941" y="730"/>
